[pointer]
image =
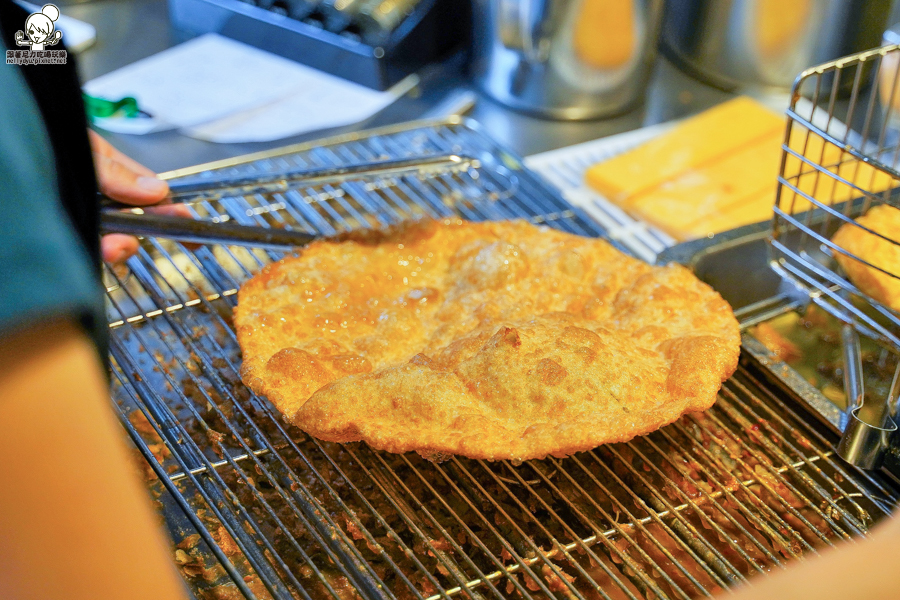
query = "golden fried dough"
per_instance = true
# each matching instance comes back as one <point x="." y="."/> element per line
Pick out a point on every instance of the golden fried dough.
<point x="875" y="250"/>
<point x="489" y="340"/>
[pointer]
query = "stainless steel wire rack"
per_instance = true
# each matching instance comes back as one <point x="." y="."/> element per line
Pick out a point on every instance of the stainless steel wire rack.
<point x="258" y="509"/>
<point x="840" y="161"/>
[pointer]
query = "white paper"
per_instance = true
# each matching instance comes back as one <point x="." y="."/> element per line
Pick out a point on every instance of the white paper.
<point x="323" y="101"/>
<point x="216" y="89"/>
<point x="201" y="80"/>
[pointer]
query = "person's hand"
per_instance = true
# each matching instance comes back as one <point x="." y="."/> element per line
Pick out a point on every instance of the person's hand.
<point x="128" y="181"/>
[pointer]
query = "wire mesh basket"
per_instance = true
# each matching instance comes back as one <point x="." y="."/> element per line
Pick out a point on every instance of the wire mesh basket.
<point x="836" y="228"/>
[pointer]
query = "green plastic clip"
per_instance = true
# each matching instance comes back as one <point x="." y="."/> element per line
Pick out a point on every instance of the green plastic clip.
<point x="100" y="107"/>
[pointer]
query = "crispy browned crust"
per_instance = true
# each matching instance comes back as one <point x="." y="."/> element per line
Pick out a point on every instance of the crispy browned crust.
<point x="876" y="251"/>
<point x="489" y="340"/>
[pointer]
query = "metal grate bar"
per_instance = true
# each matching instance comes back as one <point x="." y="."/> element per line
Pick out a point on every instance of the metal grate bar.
<point x="639" y="527"/>
<point x="216" y="464"/>
<point x="557" y="548"/>
<point x="844" y="473"/>
<point x="625" y="531"/>
<point x="769" y="486"/>
<point x="712" y="561"/>
<point x="614" y="532"/>
<point x="456" y="519"/>
<point x="212" y="495"/>
<point x="775" y="444"/>
<point x="511" y="537"/>
<point x="580" y="544"/>
<point x="160" y="474"/>
<point x="418" y="526"/>
<point x="711" y="499"/>
<point x="754" y="509"/>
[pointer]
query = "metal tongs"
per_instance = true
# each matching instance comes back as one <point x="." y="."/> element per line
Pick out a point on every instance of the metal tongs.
<point x="208" y="232"/>
<point x="866" y="429"/>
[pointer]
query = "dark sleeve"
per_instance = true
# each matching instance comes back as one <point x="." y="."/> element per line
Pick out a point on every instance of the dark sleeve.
<point x="49" y="240"/>
<point x="56" y="91"/>
<point x="46" y="269"/>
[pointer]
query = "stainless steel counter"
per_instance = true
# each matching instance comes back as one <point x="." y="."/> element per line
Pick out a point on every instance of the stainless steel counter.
<point x="128" y="30"/>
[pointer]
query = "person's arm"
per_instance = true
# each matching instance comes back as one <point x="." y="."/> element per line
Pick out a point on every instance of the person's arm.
<point x="865" y="569"/>
<point x="75" y="523"/>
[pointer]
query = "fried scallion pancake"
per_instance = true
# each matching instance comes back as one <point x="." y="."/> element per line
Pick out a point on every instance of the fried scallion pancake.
<point x="497" y="340"/>
<point x="877" y="251"/>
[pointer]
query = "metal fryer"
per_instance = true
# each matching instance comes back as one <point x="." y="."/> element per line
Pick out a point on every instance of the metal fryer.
<point x="259" y="509"/>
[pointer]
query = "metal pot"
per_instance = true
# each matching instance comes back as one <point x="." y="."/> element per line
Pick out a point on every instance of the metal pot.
<point x="734" y="43"/>
<point x="565" y="59"/>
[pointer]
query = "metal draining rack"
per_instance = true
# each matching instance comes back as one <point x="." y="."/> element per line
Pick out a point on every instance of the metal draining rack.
<point x="840" y="159"/>
<point x="259" y="509"/>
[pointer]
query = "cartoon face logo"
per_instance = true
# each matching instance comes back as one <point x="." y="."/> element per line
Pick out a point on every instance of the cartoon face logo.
<point x="39" y="27"/>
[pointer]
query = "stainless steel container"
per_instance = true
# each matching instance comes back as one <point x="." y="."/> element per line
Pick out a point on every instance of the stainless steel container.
<point x="565" y="59"/>
<point x="735" y="43"/>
